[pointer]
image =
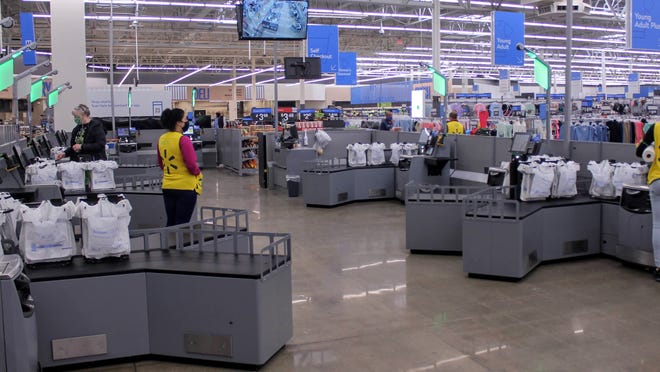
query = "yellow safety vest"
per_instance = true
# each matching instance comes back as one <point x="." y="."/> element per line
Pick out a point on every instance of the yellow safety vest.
<point x="654" y="172"/>
<point x="175" y="174"/>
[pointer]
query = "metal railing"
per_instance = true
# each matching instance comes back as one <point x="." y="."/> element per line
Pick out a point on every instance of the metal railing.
<point x="439" y="193"/>
<point x="492" y="203"/>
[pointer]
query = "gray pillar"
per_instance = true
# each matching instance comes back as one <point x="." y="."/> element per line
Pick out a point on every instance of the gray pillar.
<point x="67" y="30"/>
<point x="568" y="96"/>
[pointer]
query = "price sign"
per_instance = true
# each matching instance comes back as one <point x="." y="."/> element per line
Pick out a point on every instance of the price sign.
<point x="261" y="114"/>
<point x="285" y="117"/>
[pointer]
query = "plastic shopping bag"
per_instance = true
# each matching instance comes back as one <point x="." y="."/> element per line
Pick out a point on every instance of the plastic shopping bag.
<point x="43" y="172"/>
<point x="105" y="228"/>
<point x="103" y="175"/>
<point x="601" y="180"/>
<point x="376" y="154"/>
<point x="566" y="181"/>
<point x="72" y="175"/>
<point x="46" y="233"/>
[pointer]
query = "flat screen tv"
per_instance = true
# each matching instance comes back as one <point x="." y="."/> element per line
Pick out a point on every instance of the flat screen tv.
<point x="297" y="68"/>
<point x="272" y="19"/>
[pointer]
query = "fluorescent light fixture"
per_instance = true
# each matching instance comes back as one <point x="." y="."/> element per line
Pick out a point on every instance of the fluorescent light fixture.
<point x="125" y="76"/>
<point x="270" y="80"/>
<point x="244" y="76"/>
<point x="189" y="75"/>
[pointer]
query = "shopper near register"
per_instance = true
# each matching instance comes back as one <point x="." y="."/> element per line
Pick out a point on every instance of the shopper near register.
<point x="182" y="179"/>
<point x="87" y="137"/>
<point x="652" y="138"/>
<point x="453" y="125"/>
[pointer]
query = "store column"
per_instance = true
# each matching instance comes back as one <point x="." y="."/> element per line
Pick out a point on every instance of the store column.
<point x="67" y="32"/>
<point x="233" y="104"/>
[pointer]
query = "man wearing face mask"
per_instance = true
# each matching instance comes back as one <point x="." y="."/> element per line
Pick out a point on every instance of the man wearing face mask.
<point x="182" y="179"/>
<point x="87" y="137"/>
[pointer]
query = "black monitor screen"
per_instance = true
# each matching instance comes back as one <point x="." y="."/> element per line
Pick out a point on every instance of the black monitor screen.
<point x="122" y="132"/>
<point x="272" y="20"/>
<point x="520" y="142"/>
<point x="297" y="68"/>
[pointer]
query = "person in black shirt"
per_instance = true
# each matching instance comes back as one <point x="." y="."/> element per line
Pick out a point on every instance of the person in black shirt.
<point x="87" y="137"/>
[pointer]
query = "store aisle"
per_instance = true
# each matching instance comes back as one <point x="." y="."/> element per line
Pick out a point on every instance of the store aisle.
<point x="361" y="302"/>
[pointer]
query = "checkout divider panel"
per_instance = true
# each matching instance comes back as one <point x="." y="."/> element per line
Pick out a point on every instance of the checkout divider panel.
<point x="623" y="152"/>
<point x="385" y="137"/>
<point x="554" y="148"/>
<point x="583" y="152"/>
<point x="474" y="153"/>
<point x="502" y="150"/>
<point x="408" y="137"/>
<point x="114" y="306"/>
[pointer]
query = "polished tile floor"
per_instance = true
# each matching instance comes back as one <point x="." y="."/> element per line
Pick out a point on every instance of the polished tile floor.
<point x="362" y="302"/>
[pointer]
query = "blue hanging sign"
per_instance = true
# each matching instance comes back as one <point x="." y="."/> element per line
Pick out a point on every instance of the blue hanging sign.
<point x="323" y="42"/>
<point x="508" y="29"/>
<point x="475" y="88"/>
<point x="347" y="73"/>
<point x="634" y="77"/>
<point x="504" y="74"/>
<point x="643" y="24"/>
<point x="27" y="36"/>
<point x="576" y="76"/>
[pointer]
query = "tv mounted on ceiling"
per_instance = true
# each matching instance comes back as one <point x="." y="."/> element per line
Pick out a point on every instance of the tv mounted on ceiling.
<point x="297" y="68"/>
<point x="272" y="19"/>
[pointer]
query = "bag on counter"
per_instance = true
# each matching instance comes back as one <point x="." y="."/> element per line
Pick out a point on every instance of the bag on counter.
<point x="43" y="172"/>
<point x="396" y="148"/>
<point x="376" y="154"/>
<point x="537" y="181"/>
<point x="72" y="175"/>
<point x="12" y="214"/>
<point x="105" y="228"/>
<point x="46" y="233"/>
<point x="357" y="154"/>
<point x="601" y="180"/>
<point x="566" y="180"/>
<point x="103" y="174"/>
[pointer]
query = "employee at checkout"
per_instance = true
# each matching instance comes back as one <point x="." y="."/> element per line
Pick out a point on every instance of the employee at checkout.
<point x="87" y="137"/>
<point x="182" y="178"/>
<point x="652" y="138"/>
<point x="453" y="125"/>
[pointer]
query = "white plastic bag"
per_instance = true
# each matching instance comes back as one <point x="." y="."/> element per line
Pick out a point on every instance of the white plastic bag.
<point x="321" y="140"/>
<point x="601" y="180"/>
<point x="396" y="153"/>
<point x="105" y="228"/>
<point x="72" y="175"/>
<point x="56" y="150"/>
<point x="46" y="233"/>
<point x="103" y="174"/>
<point x="566" y="180"/>
<point x="43" y="172"/>
<point x="537" y="182"/>
<point x="357" y="155"/>
<point x="376" y="154"/>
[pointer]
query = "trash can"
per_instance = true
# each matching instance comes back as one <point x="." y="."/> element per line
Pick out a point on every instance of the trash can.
<point x="293" y="186"/>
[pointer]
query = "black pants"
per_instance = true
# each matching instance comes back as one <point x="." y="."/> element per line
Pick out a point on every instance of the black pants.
<point x="179" y="205"/>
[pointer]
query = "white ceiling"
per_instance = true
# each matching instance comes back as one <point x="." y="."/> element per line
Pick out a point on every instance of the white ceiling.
<point x="390" y="37"/>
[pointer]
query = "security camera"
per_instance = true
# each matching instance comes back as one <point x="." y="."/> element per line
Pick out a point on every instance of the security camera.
<point x="381" y="31"/>
<point x="7" y="22"/>
<point x="520" y="46"/>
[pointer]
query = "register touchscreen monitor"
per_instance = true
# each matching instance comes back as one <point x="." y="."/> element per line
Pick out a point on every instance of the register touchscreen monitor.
<point x="122" y="132"/>
<point x="520" y="144"/>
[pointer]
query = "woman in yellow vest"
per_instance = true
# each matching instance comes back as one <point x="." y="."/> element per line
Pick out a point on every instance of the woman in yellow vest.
<point x="652" y="138"/>
<point x="182" y="179"/>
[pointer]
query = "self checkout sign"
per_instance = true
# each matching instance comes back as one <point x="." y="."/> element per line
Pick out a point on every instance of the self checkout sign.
<point x="262" y="114"/>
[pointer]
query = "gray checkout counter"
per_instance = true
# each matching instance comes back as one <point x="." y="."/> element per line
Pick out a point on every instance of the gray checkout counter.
<point x="423" y="170"/>
<point x="239" y="312"/>
<point x="333" y="184"/>
<point x="508" y="238"/>
<point x="434" y="217"/>
<point x="289" y="163"/>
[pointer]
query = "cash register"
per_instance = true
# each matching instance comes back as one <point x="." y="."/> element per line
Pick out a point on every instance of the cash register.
<point x="126" y="138"/>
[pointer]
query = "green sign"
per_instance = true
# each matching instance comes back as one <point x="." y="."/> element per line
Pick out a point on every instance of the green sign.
<point x="194" y="96"/>
<point x="7" y="74"/>
<point x="541" y="74"/>
<point x="130" y="98"/>
<point x="36" y="90"/>
<point x="53" y="97"/>
<point x="439" y="84"/>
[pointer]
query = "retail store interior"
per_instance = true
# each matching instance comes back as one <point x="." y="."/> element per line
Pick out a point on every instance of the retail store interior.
<point x="380" y="185"/>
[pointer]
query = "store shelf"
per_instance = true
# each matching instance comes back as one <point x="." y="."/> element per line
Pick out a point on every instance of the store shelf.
<point x="233" y="145"/>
